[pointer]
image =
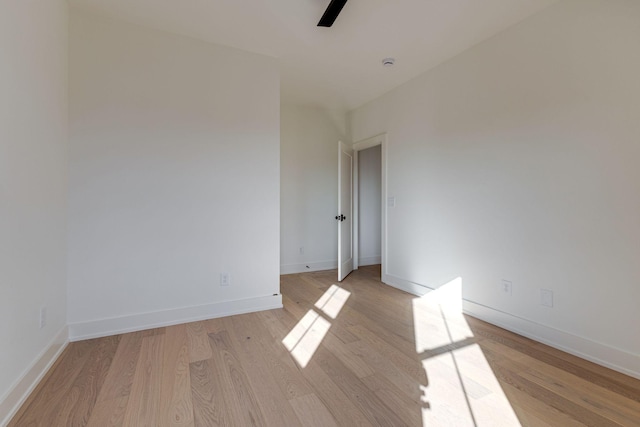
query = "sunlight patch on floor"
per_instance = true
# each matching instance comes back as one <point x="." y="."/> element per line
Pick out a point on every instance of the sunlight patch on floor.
<point x="461" y="388"/>
<point x="304" y="339"/>
<point x="333" y="300"/>
<point x="488" y="402"/>
<point x="437" y="317"/>
<point x="445" y="399"/>
<point x="306" y="336"/>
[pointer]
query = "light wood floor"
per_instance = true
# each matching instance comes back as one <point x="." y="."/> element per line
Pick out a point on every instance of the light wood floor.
<point x="355" y="354"/>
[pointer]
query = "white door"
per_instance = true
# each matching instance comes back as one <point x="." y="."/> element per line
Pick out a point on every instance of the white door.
<point x="345" y="210"/>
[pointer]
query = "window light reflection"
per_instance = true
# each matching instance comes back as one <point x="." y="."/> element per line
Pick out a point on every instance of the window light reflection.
<point x="304" y="339"/>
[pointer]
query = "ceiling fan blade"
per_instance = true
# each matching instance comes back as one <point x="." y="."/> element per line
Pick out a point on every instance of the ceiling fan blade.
<point x="332" y="12"/>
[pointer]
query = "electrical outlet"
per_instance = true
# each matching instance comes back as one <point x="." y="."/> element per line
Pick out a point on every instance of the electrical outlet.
<point x="225" y="279"/>
<point x="43" y="317"/>
<point x="507" y="287"/>
<point x="546" y="297"/>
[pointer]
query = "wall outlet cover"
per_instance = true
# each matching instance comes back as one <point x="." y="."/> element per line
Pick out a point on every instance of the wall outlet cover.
<point x="507" y="287"/>
<point x="43" y="317"/>
<point x="546" y="297"/>
<point x="225" y="279"/>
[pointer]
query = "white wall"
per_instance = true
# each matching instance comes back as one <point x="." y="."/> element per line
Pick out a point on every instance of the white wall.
<point x="33" y="189"/>
<point x="369" y="215"/>
<point x="309" y="188"/>
<point x="518" y="160"/>
<point x="174" y="178"/>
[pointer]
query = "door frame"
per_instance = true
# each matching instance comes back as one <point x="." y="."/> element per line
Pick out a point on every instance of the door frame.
<point x="374" y="141"/>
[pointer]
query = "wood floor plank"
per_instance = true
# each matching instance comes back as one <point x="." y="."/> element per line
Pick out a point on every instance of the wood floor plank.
<point x="374" y="409"/>
<point x="207" y="394"/>
<point x="599" y="375"/>
<point x="411" y="365"/>
<point x="510" y="374"/>
<point x="153" y="331"/>
<point x="45" y="400"/>
<point x="280" y="323"/>
<point x="176" y="407"/>
<point x="403" y="406"/>
<point x="76" y="409"/>
<point x="143" y="405"/>
<point x="378" y="328"/>
<point x="354" y="361"/>
<point x="213" y="326"/>
<point x="272" y="382"/>
<point x="199" y="348"/>
<point x="592" y="397"/>
<point x="240" y="398"/>
<point x="344" y="411"/>
<point x="272" y="356"/>
<point x="312" y="411"/>
<point x="114" y="394"/>
<point x="381" y="365"/>
<point x="109" y="413"/>
<point x="120" y="376"/>
<point x="580" y="393"/>
<point x="533" y="412"/>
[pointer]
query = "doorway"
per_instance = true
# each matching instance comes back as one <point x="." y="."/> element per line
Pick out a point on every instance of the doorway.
<point x="369" y="203"/>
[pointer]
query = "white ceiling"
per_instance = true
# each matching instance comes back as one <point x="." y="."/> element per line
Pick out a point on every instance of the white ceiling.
<point x="338" y="67"/>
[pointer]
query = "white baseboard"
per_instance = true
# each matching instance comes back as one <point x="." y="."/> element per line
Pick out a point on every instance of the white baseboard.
<point x="137" y="322"/>
<point x="22" y="388"/>
<point x="371" y="260"/>
<point x="602" y="354"/>
<point x="310" y="266"/>
<point x="405" y="285"/>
